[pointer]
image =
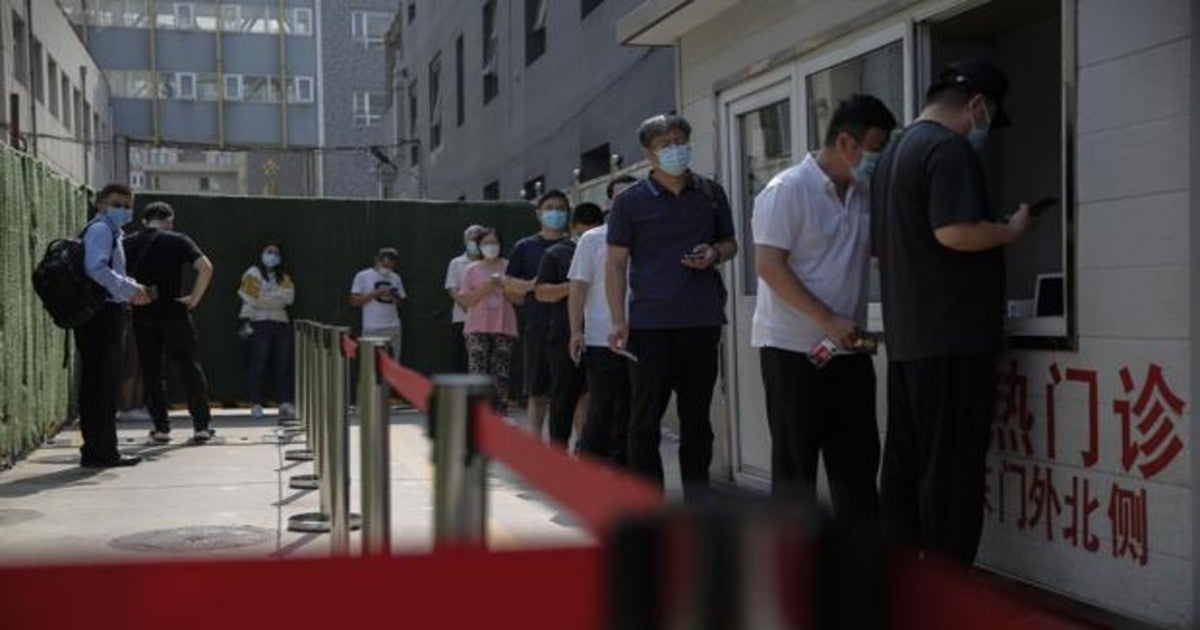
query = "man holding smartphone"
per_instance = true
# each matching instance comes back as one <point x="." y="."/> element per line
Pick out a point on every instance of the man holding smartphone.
<point x="379" y="292"/>
<point x="164" y="328"/>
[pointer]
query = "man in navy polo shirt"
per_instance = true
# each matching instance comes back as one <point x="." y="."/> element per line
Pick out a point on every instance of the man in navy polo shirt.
<point x="668" y="233"/>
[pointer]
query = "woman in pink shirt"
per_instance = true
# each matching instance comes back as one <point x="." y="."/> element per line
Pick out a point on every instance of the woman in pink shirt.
<point x="491" y="326"/>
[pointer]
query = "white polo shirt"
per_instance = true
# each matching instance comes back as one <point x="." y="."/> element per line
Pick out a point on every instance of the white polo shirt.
<point x="591" y="258"/>
<point x="381" y="312"/>
<point x="829" y="244"/>
<point x="454" y="279"/>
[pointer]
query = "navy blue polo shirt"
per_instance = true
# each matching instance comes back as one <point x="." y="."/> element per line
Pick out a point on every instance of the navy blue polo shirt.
<point x="659" y="228"/>
<point x="524" y="263"/>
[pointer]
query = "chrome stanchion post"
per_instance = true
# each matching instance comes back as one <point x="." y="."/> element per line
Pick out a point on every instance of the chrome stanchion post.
<point x="339" y="448"/>
<point x="317" y="434"/>
<point x="374" y="434"/>
<point x="303" y="392"/>
<point x="460" y="470"/>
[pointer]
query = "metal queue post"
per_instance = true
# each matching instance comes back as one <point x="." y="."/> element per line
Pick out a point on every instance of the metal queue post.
<point x="303" y="384"/>
<point x="324" y="372"/>
<point x="374" y="436"/>
<point x="460" y="469"/>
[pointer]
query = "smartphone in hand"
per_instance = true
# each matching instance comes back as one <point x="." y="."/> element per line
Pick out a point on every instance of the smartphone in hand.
<point x="1041" y="205"/>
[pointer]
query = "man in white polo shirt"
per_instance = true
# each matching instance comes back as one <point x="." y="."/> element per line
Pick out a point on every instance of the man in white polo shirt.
<point x="811" y="229"/>
<point x="379" y="292"/>
<point x="606" y="426"/>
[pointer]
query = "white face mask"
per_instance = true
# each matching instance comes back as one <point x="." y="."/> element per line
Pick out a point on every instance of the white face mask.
<point x="491" y="251"/>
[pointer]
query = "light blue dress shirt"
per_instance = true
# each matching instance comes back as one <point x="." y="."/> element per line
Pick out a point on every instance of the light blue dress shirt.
<point x="105" y="262"/>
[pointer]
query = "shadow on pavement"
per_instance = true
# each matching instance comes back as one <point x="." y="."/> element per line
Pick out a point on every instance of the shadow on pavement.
<point x="29" y="486"/>
<point x="296" y="545"/>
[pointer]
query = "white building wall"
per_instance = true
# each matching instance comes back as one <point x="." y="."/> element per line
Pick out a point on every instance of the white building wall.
<point x="1132" y="269"/>
<point x="56" y="144"/>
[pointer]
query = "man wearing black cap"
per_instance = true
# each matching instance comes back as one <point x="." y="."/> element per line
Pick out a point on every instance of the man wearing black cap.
<point x="941" y="259"/>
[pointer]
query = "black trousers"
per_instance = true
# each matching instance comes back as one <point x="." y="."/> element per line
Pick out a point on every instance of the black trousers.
<point x="682" y="361"/>
<point x="460" y="348"/>
<point x="101" y="343"/>
<point x="939" y="418"/>
<point x="566" y="386"/>
<point x="606" y="429"/>
<point x="174" y="339"/>
<point x="827" y="411"/>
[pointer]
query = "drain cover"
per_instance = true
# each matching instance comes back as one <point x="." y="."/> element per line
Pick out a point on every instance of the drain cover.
<point x="15" y="516"/>
<point x="185" y="539"/>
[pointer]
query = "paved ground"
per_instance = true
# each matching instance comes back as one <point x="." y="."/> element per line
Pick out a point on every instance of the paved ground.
<point x="53" y="511"/>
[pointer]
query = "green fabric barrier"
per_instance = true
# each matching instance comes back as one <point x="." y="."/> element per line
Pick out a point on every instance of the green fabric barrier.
<point x="36" y="207"/>
<point x="325" y="242"/>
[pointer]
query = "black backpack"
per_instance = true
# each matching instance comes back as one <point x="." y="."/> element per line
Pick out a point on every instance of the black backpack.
<point x="68" y="294"/>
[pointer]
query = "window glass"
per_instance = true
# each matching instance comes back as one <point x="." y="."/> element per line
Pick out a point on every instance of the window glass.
<point x="765" y="149"/>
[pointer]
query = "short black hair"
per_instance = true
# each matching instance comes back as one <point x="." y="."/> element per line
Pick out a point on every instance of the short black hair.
<point x="656" y="126"/>
<point x="158" y="211"/>
<point x="950" y="95"/>
<point x="387" y="252"/>
<point x="857" y="114"/>
<point x="617" y="181"/>
<point x="587" y="213"/>
<point x="487" y="229"/>
<point x="114" y="188"/>
<point x="552" y="194"/>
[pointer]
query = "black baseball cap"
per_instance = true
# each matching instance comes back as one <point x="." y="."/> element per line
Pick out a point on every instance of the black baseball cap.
<point x="980" y="76"/>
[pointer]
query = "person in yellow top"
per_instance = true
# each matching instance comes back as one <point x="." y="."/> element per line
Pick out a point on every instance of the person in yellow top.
<point x="267" y="291"/>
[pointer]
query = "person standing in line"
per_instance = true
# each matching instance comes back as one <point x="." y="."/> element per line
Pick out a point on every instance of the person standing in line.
<point x="454" y="277"/>
<point x="491" y="325"/>
<point x="553" y="212"/>
<point x="266" y="292"/>
<point x="666" y="237"/>
<point x="164" y="328"/>
<point x="101" y="341"/>
<point x="811" y="226"/>
<point x="606" y="373"/>
<point x="553" y="288"/>
<point x="379" y="292"/>
<point x="941" y="258"/>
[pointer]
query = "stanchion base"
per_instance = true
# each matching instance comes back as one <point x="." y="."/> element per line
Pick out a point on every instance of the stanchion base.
<point x="289" y="424"/>
<point x="291" y="431"/>
<point x="304" y="482"/>
<point x="298" y="455"/>
<point x="317" y="523"/>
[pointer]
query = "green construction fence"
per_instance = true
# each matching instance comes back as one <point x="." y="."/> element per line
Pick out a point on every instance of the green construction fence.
<point x="36" y="206"/>
<point x="324" y="243"/>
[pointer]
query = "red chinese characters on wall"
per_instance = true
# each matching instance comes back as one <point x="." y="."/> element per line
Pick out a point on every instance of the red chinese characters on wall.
<point x="1148" y="413"/>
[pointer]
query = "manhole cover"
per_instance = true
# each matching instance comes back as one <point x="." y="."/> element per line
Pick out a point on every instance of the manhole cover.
<point x="16" y="516"/>
<point x="185" y="539"/>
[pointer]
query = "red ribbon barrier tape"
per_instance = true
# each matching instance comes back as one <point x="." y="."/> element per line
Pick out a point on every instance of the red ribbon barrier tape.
<point x="349" y="347"/>
<point x="595" y="493"/>
<point x="412" y="386"/>
<point x="457" y="588"/>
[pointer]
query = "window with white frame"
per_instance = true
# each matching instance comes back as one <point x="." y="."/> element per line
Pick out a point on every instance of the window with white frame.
<point x="302" y="21"/>
<point x="435" y="102"/>
<point x="185" y="85"/>
<point x="137" y="179"/>
<point x="370" y="27"/>
<point x="185" y="15"/>
<point x="302" y="89"/>
<point x="231" y="17"/>
<point x="536" y="12"/>
<point x="491" y="48"/>
<point x="233" y="87"/>
<point x="368" y="108"/>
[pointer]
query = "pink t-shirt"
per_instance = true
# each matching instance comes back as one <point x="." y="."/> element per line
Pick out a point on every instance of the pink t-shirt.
<point x="492" y="314"/>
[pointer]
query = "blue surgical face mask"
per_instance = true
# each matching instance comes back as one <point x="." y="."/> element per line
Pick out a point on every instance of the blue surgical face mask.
<point x="555" y="219"/>
<point x="472" y="248"/>
<point x="271" y="260"/>
<point x="866" y="166"/>
<point x="119" y="216"/>
<point x="979" y="132"/>
<point x="675" y="159"/>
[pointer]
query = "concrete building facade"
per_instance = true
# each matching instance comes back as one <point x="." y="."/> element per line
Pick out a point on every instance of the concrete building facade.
<point x="501" y="98"/>
<point x="56" y="98"/>
<point x="1091" y="477"/>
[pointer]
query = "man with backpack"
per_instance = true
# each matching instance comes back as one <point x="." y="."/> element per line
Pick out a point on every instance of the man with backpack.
<point x="164" y="328"/>
<point x="100" y="341"/>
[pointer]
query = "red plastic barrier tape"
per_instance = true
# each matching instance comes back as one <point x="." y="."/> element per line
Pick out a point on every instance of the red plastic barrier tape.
<point x="412" y="386"/>
<point x="595" y="493"/>
<point x="349" y="347"/>
<point x="447" y="589"/>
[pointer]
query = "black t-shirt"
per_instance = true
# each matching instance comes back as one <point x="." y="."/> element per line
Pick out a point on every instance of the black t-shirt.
<point x="159" y="263"/>
<point x="553" y="270"/>
<point x="936" y="301"/>
<point x="524" y="263"/>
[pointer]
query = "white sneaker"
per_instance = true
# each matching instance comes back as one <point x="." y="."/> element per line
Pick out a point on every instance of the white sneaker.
<point x="159" y="437"/>
<point x="287" y="411"/>
<point x="141" y="414"/>
<point x="200" y="437"/>
<point x="257" y="412"/>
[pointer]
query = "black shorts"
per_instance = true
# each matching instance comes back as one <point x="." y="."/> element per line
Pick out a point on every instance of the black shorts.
<point x="536" y="367"/>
